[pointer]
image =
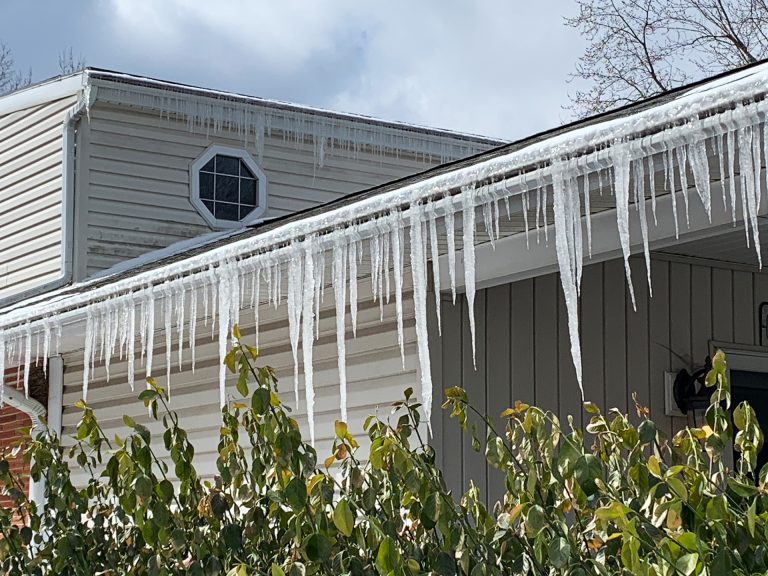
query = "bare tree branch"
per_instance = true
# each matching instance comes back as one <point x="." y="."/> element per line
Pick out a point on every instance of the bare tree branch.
<point x="10" y="78"/>
<point x="639" y="48"/>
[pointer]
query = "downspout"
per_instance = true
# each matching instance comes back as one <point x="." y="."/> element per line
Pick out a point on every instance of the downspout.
<point x="68" y="198"/>
<point x="36" y="412"/>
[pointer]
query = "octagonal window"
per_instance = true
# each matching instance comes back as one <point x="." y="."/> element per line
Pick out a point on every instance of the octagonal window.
<point x="228" y="187"/>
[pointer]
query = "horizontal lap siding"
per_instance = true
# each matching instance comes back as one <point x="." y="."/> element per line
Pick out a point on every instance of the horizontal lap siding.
<point x="375" y="377"/>
<point x="524" y="352"/>
<point x="138" y="181"/>
<point x="31" y="196"/>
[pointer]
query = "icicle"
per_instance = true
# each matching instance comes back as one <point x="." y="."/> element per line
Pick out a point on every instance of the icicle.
<point x="380" y="272"/>
<point x="319" y="265"/>
<point x="435" y="255"/>
<point x="587" y="210"/>
<point x="488" y="222"/>
<point x="700" y="168"/>
<point x="131" y="341"/>
<point x="150" y="329"/>
<point x="524" y="200"/>
<point x="294" y="313"/>
<point x="224" y="291"/>
<point x="419" y="274"/>
<point x="450" y="232"/>
<point x="682" y="168"/>
<point x="352" y="257"/>
<point x="567" y="255"/>
<point x="496" y="218"/>
<point x="46" y="346"/>
<point x="397" y="257"/>
<point x="720" y="151"/>
<point x="469" y="261"/>
<point x="87" y="353"/>
<point x="652" y="182"/>
<point x="621" y="163"/>
<point x="214" y="286"/>
<point x="373" y="248"/>
<point x="256" y="303"/>
<point x="339" y="292"/>
<point x="669" y="178"/>
<point x="167" y="319"/>
<point x="180" y="313"/>
<point x="27" y="357"/>
<point x="640" y="203"/>
<point x="308" y="332"/>
<point x="193" y="325"/>
<point x="748" y="195"/>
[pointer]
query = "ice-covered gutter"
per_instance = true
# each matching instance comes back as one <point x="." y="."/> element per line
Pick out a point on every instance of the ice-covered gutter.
<point x="254" y="119"/>
<point x="724" y="120"/>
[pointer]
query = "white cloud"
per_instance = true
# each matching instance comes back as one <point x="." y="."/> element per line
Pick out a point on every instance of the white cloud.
<point x="495" y="67"/>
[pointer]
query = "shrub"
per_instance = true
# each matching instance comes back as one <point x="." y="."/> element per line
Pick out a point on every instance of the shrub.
<point x="615" y="498"/>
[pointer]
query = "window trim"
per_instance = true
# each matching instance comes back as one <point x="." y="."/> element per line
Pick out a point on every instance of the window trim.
<point x="194" y="188"/>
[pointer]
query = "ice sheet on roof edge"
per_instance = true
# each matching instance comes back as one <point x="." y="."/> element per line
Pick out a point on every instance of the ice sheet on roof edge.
<point x="224" y="269"/>
<point x="340" y="137"/>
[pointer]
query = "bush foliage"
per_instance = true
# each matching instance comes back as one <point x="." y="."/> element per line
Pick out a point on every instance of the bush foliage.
<point x="615" y="498"/>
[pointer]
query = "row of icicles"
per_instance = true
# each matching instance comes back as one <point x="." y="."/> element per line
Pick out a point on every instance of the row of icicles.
<point x="124" y="326"/>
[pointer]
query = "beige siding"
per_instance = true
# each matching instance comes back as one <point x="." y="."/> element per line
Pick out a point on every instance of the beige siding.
<point x="138" y="180"/>
<point x="375" y="373"/>
<point x="31" y="196"/>
<point x="523" y="347"/>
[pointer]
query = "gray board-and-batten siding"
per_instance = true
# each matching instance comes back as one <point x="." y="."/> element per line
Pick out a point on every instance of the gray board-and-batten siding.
<point x="523" y="349"/>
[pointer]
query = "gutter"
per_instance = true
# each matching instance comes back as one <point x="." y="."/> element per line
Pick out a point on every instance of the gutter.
<point x="36" y="413"/>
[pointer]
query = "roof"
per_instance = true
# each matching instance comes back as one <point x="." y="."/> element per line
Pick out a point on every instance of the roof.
<point x="506" y="167"/>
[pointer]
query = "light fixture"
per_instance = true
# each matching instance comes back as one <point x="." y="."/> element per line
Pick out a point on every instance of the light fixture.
<point x="690" y="392"/>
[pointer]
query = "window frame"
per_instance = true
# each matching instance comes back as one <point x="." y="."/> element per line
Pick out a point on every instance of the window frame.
<point x="194" y="188"/>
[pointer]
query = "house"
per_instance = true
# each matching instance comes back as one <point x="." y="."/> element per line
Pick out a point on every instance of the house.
<point x="595" y="260"/>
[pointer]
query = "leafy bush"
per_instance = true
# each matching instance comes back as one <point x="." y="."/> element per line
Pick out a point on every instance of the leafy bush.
<point x="616" y="498"/>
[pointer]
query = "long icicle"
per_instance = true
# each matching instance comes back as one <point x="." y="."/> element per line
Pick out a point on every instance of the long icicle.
<point x="419" y="274"/>
<point x="435" y="255"/>
<point x="340" y="295"/>
<point x="621" y="164"/>
<point x="469" y="262"/>
<point x="308" y="332"/>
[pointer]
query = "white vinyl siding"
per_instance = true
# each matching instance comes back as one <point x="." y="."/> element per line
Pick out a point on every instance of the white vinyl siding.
<point x="31" y="196"/>
<point x="138" y="180"/>
<point x="375" y="377"/>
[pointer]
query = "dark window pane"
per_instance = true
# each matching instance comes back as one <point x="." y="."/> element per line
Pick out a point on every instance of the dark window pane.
<point x="206" y="186"/>
<point x="226" y="188"/>
<point x="227" y="165"/>
<point x="245" y="172"/>
<point x="244" y="211"/>
<point x="248" y="189"/>
<point x="208" y="204"/>
<point x="226" y="211"/>
<point x="209" y="166"/>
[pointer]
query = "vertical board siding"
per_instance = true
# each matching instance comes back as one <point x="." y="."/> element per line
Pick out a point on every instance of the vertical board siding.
<point x="31" y="187"/>
<point x="625" y="352"/>
<point x="138" y="180"/>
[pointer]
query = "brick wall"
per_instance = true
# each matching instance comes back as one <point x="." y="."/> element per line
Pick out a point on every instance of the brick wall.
<point x="11" y="421"/>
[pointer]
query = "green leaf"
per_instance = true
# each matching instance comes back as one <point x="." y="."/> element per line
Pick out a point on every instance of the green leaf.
<point x="559" y="552"/>
<point x="647" y="431"/>
<point x="343" y="517"/>
<point x="430" y="512"/>
<point x="687" y="563"/>
<point x="128" y="421"/>
<point x="296" y="493"/>
<point x="233" y="537"/>
<point x="143" y="487"/>
<point x="588" y="469"/>
<point x="388" y="557"/>
<point x="276" y="570"/>
<point x="318" y="548"/>
<point x="260" y="401"/>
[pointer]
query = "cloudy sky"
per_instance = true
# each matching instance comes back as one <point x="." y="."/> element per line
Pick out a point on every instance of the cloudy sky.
<point x="493" y="67"/>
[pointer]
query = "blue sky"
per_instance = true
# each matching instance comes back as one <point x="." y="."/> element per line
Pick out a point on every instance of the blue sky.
<point x="494" y="67"/>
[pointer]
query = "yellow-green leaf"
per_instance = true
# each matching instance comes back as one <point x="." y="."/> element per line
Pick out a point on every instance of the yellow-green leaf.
<point x="343" y="517"/>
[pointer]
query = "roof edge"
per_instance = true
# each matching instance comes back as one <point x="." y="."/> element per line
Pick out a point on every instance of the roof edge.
<point x="46" y="91"/>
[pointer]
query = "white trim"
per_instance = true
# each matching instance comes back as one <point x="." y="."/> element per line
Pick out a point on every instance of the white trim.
<point x="194" y="187"/>
<point x="48" y="91"/>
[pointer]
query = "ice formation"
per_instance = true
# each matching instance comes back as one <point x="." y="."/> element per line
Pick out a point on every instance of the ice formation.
<point x="376" y="235"/>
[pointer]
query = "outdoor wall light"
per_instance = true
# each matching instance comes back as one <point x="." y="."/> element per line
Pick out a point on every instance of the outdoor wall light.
<point x="690" y="392"/>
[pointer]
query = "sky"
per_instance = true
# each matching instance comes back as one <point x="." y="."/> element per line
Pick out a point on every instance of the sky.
<point x="491" y="67"/>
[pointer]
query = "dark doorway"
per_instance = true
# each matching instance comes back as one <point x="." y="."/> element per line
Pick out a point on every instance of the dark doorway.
<point x="752" y="387"/>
